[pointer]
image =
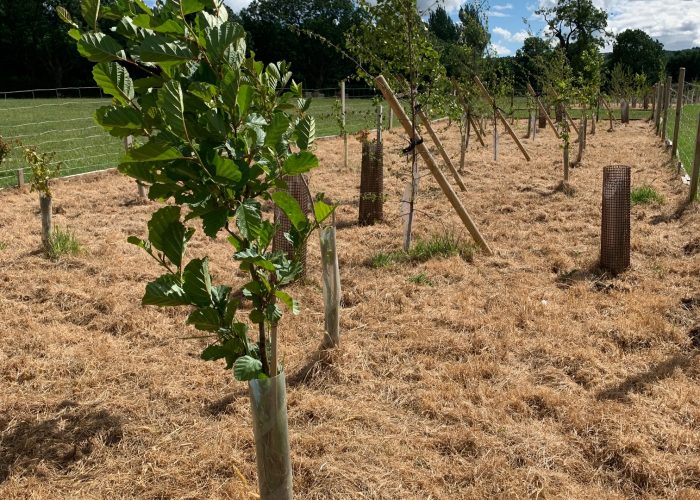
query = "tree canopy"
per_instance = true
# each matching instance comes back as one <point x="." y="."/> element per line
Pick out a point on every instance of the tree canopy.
<point x="639" y="53"/>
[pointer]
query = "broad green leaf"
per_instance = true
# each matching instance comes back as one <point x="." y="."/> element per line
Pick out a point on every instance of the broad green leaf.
<point x="291" y="209"/>
<point x="157" y="49"/>
<point x="145" y="8"/>
<point x="287" y="299"/>
<point x="273" y="313"/>
<point x="197" y="282"/>
<point x="114" y="79"/>
<point x="74" y="33"/>
<point x="162" y="191"/>
<point x="226" y="168"/>
<point x="322" y="210"/>
<point x="98" y="47"/>
<point x="214" y="221"/>
<point x="90" y="10"/>
<point x="244" y="99"/>
<point x="206" y="319"/>
<point x="135" y="240"/>
<point x="247" y="368"/>
<point x="119" y="121"/>
<point x="192" y="6"/>
<point x="306" y="132"/>
<point x="65" y="16"/>
<point x="249" y="219"/>
<point x="156" y="149"/>
<point x="300" y="163"/>
<point x="139" y="171"/>
<point x="165" y="291"/>
<point x="167" y="234"/>
<point x="172" y="26"/>
<point x="219" y="38"/>
<point x="172" y="105"/>
<point x="276" y="130"/>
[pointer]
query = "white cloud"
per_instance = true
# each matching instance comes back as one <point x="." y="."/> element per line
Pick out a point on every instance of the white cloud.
<point x="507" y="6"/>
<point x="237" y="5"/>
<point x="501" y="50"/>
<point x="506" y="35"/>
<point x="674" y="23"/>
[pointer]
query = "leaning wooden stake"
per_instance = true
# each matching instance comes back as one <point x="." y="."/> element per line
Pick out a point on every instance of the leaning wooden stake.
<point x="475" y="127"/>
<point x="679" y="108"/>
<point x="500" y="116"/>
<point x="543" y="110"/>
<point x="441" y="149"/>
<point x="571" y="121"/>
<point x="432" y="165"/>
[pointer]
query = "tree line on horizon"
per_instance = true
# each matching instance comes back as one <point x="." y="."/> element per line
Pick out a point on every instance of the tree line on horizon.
<point x="36" y="52"/>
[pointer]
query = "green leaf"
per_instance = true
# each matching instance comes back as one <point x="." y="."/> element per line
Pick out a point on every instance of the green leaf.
<point x="214" y="221"/>
<point x="167" y="234"/>
<point x="300" y="163"/>
<point x="206" y="319"/>
<point x="226" y="168"/>
<point x="247" y="368"/>
<point x="291" y="209"/>
<point x="139" y="171"/>
<point x="98" y="47"/>
<point x="156" y="149"/>
<point x="65" y="16"/>
<point x="74" y="33"/>
<point x="163" y="292"/>
<point x="197" y="282"/>
<point x="172" y="105"/>
<point x="192" y="6"/>
<point x="171" y="26"/>
<point x="244" y="99"/>
<point x="114" y="79"/>
<point x="119" y="121"/>
<point x="306" y="132"/>
<point x="275" y="131"/>
<point x="287" y="299"/>
<point x="322" y="210"/>
<point x="135" y="240"/>
<point x="249" y="219"/>
<point x="145" y="8"/>
<point x="157" y="49"/>
<point x="90" y="10"/>
<point x="219" y="38"/>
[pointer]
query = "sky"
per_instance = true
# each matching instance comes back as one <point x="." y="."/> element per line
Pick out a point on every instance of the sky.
<point x="675" y="23"/>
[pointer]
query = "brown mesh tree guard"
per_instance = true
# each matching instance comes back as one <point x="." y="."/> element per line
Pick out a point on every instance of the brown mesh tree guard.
<point x="297" y="188"/>
<point x="372" y="183"/>
<point x="615" y="231"/>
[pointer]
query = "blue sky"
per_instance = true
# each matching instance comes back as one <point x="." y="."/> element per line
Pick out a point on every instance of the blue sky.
<point x="675" y="23"/>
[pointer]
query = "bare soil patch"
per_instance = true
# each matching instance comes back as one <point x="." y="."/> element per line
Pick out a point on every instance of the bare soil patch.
<point x="526" y="374"/>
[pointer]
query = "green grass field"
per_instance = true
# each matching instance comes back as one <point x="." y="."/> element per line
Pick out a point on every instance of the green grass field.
<point x="687" y="133"/>
<point x="66" y="126"/>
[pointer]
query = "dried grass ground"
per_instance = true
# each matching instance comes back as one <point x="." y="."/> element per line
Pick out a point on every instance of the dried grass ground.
<point x="526" y="374"/>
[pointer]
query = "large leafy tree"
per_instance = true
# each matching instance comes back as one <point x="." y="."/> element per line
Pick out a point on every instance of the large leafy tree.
<point x="639" y="53"/>
<point x="577" y="26"/>
<point x="688" y="59"/>
<point x="454" y="55"/>
<point x="30" y="31"/>
<point x="529" y="61"/>
<point x="273" y="27"/>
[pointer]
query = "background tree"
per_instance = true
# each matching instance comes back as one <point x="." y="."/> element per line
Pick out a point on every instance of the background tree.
<point x="576" y="25"/>
<point x="528" y="61"/>
<point x="474" y="31"/>
<point x="688" y="59"/>
<point x="640" y="53"/>
<point x="268" y="24"/>
<point x="454" y="55"/>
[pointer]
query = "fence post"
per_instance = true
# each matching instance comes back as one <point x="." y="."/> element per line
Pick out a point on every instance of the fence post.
<point x="345" y="132"/>
<point x="696" y="168"/>
<point x="657" y="107"/>
<point x="20" y="178"/>
<point x="667" y="104"/>
<point x="679" y="108"/>
<point x="391" y="118"/>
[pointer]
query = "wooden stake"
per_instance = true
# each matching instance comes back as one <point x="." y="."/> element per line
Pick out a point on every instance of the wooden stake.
<point x="45" y="205"/>
<point x="679" y="108"/>
<point x="495" y="135"/>
<point x="475" y="126"/>
<point x="543" y="110"/>
<point x="391" y="118"/>
<point x="488" y="97"/>
<point x="20" y="178"/>
<point x="331" y="286"/>
<point x="441" y="149"/>
<point x="696" y="168"/>
<point x="380" y="119"/>
<point x="384" y="88"/>
<point x="659" y="105"/>
<point x="667" y="104"/>
<point x="342" y="115"/>
<point x="571" y="122"/>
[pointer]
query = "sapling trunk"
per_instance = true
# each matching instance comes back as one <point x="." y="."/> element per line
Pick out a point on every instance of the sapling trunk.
<point x="45" y="204"/>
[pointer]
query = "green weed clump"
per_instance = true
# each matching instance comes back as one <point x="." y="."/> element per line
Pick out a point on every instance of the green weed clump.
<point x="421" y="279"/>
<point x="62" y="243"/>
<point x="645" y="194"/>
<point x="444" y="245"/>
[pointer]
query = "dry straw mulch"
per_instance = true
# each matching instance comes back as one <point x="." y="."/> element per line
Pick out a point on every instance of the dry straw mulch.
<point x="526" y="374"/>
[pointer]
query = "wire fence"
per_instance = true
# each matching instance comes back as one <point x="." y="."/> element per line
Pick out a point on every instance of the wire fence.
<point x="60" y="120"/>
<point x="688" y="123"/>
